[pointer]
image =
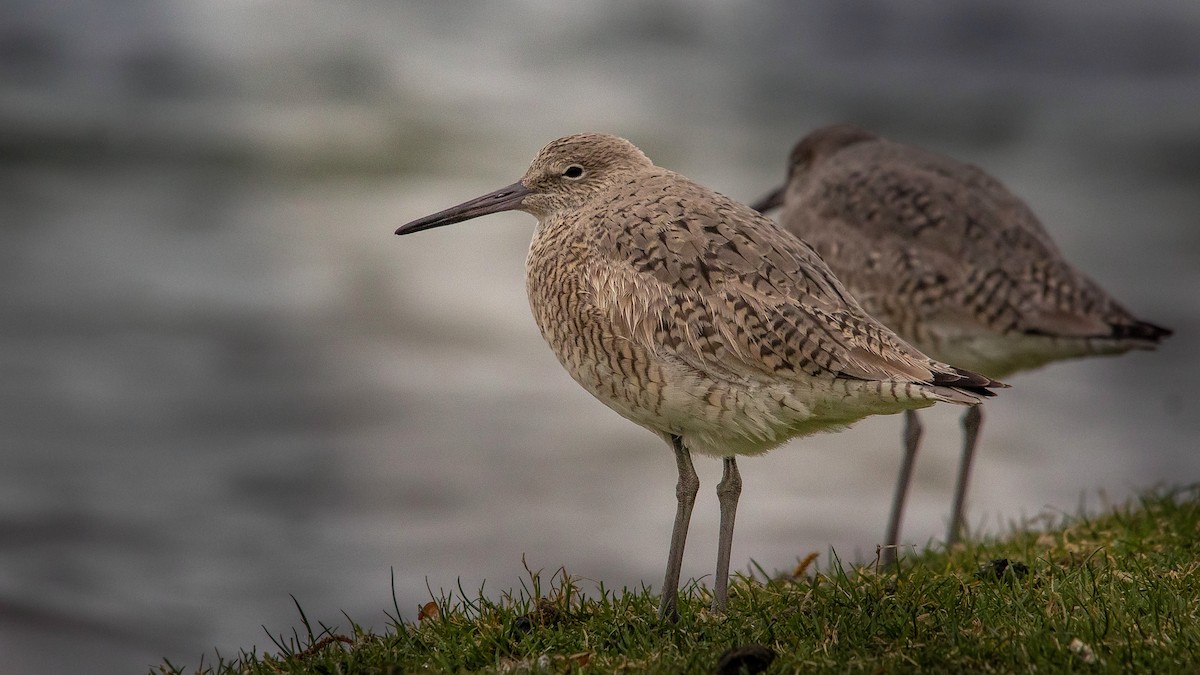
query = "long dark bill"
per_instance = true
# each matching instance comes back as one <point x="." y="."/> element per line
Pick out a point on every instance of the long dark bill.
<point x="770" y="201"/>
<point x="504" y="199"/>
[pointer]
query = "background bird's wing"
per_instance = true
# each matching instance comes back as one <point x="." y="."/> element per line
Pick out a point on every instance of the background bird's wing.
<point x="955" y="240"/>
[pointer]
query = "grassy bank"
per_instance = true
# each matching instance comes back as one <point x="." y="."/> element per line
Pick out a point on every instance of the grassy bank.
<point x="1117" y="592"/>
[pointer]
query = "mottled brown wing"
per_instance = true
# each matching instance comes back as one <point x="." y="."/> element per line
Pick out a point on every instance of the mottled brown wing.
<point x="716" y="285"/>
<point x="950" y="239"/>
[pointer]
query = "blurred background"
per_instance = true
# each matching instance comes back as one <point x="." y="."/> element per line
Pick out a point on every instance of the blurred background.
<point x="223" y="380"/>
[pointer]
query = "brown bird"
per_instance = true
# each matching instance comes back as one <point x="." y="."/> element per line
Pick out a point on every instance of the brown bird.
<point x="699" y="319"/>
<point x="943" y="254"/>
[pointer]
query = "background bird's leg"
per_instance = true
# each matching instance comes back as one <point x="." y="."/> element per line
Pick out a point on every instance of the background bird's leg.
<point x="685" y="492"/>
<point x="728" y="491"/>
<point x="971" y="422"/>
<point x="912" y="441"/>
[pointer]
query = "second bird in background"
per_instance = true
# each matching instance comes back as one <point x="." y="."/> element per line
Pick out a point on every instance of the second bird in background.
<point x="943" y="254"/>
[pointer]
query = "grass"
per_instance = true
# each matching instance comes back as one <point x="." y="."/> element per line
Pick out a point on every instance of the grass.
<point x="1118" y="592"/>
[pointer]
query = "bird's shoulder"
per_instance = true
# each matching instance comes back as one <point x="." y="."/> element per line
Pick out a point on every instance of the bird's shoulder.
<point x="675" y="232"/>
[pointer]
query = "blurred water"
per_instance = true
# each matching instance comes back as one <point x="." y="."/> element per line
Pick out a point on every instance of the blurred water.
<point x="224" y="381"/>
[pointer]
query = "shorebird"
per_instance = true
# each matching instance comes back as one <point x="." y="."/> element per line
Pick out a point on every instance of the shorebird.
<point x="699" y="319"/>
<point x="943" y="254"/>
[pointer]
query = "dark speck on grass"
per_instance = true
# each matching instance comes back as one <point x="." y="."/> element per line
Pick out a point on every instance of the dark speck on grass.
<point x="748" y="659"/>
<point x="545" y="614"/>
<point x="1001" y="568"/>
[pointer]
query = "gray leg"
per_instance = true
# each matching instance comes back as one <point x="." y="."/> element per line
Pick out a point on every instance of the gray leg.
<point x="685" y="492"/>
<point x="728" y="491"/>
<point x="971" y="422"/>
<point x="912" y="440"/>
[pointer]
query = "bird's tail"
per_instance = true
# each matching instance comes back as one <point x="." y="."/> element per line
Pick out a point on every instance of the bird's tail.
<point x="1144" y="332"/>
<point x="964" y="386"/>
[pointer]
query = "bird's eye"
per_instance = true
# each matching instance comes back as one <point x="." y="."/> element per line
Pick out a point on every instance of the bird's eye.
<point x="573" y="172"/>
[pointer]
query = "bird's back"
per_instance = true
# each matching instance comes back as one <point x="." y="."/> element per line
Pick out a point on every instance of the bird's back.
<point x="952" y="260"/>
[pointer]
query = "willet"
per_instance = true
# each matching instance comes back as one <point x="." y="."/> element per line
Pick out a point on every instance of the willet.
<point x="699" y="319"/>
<point x="943" y="254"/>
